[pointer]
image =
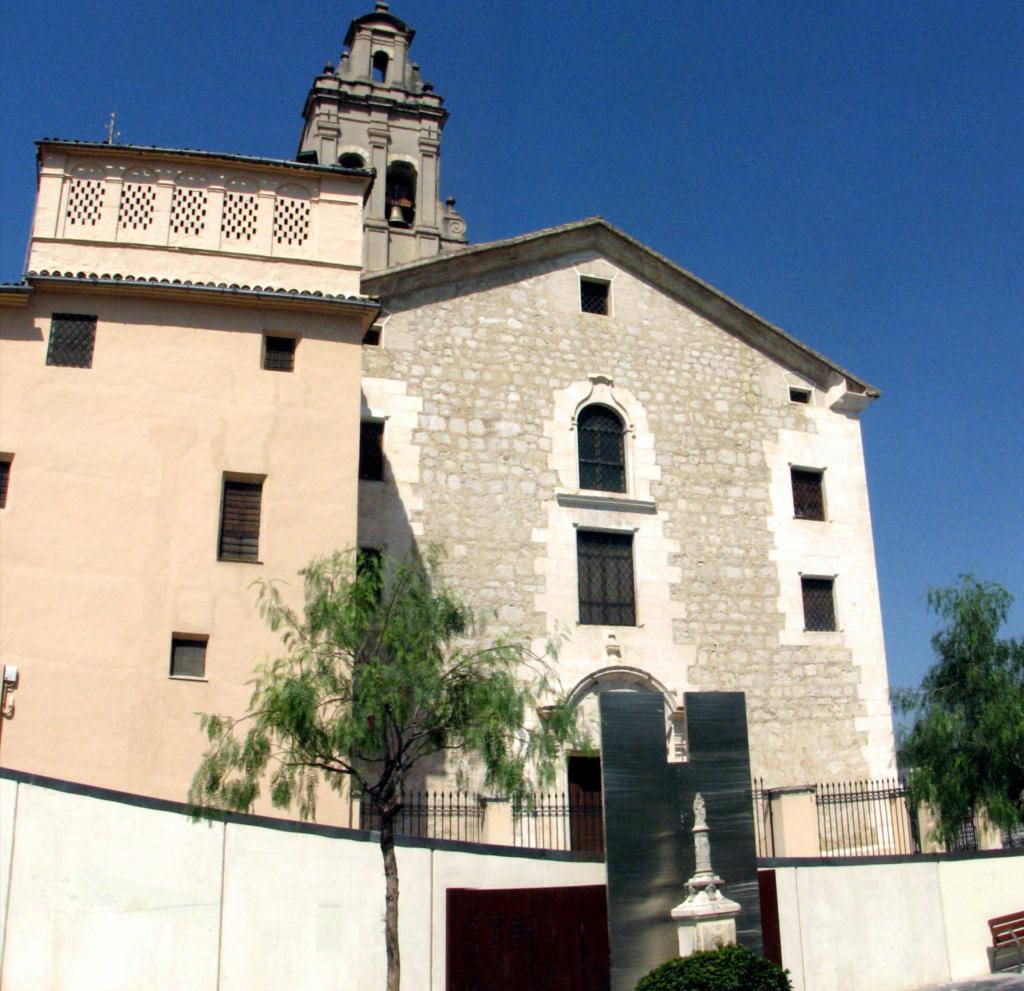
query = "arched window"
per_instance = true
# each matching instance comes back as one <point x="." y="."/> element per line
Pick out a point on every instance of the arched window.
<point x="601" y="447"/>
<point x="380" y="67"/>
<point x="400" y="193"/>
<point x="351" y="160"/>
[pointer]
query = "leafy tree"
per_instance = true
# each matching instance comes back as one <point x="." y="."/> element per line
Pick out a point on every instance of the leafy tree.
<point x="382" y="669"/>
<point x="965" y="746"/>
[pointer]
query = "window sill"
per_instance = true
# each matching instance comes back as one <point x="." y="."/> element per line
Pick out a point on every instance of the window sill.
<point x="606" y="501"/>
<point x="186" y="677"/>
<point x="238" y="560"/>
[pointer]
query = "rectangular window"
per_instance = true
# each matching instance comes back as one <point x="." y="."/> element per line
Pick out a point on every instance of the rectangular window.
<point x="808" y="494"/>
<point x="819" y="603"/>
<point x="800" y="396"/>
<point x="594" y="296"/>
<point x="240" y="521"/>
<point x="5" y="479"/>
<point x="371" y="338"/>
<point x="188" y="656"/>
<point x="72" y="338"/>
<point x="605" y="566"/>
<point x="279" y="354"/>
<point x="371" y="451"/>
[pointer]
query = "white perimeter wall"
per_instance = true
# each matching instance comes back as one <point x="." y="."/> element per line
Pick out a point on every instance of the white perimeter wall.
<point x="97" y="893"/>
<point x="893" y="926"/>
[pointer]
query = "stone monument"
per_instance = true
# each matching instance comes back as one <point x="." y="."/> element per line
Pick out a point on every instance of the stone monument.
<point x="706" y="919"/>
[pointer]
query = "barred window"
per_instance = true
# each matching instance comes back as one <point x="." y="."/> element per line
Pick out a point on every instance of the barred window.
<point x="819" y="603"/>
<point x="808" y="495"/>
<point x="602" y="451"/>
<point x="72" y="339"/>
<point x="594" y="296"/>
<point x="605" y="565"/>
<point x="279" y="354"/>
<point x="371" y="451"/>
<point x="240" y="521"/>
<point x="188" y="657"/>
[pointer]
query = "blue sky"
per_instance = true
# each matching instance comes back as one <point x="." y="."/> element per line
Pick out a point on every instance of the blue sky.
<point x="851" y="171"/>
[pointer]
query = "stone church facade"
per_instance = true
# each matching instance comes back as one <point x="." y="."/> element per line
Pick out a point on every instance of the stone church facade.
<point x="611" y="452"/>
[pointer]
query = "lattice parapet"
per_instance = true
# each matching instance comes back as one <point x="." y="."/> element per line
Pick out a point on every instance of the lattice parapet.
<point x="85" y="201"/>
<point x="291" y="220"/>
<point x="238" y="221"/>
<point x="138" y="200"/>
<point x="188" y="210"/>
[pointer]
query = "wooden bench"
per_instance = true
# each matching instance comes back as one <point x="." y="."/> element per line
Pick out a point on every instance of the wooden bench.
<point x="1007" y="941"/>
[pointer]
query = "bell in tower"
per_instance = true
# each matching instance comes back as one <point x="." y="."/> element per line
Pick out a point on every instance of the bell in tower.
<point x="374" y="111"/>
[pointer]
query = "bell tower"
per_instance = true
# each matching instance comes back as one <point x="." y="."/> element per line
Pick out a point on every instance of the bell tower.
<point x="374" y="111"/>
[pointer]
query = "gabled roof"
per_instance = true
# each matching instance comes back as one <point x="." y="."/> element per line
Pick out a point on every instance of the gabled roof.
<point x="596" y="234"/>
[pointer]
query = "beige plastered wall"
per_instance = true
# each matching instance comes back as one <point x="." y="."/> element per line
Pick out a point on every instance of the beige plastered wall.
<point x="110" y="533"/>
<point x="486" y="467"/>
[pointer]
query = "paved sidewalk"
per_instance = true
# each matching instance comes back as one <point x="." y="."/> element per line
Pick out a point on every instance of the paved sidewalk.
<point x="990" y="982"/>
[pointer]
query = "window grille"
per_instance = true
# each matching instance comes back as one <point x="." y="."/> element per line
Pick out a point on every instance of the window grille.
<point x="808" y="497"/>
<point x="594" y="296"/>
<point x="240" y="521"/>
<point x="72" y="339"/>
<point x="279" y="354"/>
<point x="188" y="210"/>
<point x="137" y="202"/>
<point x="5" y="480"/>
<point x="819" y="603"/>
<point x="605" y="566"/>
<point x="238" y="222"/>
<point x="85" y="201"/>
<point x="188" y="657"/>
<point x="371" y="451"/>
<point x="602" y="450"/>
<point x="291" y="220"/>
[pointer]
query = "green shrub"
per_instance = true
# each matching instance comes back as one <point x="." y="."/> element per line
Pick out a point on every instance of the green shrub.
<point x="729" y="968"/>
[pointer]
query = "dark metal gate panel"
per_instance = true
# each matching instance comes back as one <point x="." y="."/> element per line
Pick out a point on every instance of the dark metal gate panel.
<point x="527" y="939"/>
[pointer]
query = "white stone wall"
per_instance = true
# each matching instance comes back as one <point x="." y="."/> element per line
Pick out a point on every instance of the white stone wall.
<point x="502" y="367"/>
<point x="104" y="894"/>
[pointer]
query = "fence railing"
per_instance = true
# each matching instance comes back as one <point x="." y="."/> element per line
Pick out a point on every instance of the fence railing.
<point x="866" y="819"/>
<point x="435" y="815"/>
<point x="559" y="821"/>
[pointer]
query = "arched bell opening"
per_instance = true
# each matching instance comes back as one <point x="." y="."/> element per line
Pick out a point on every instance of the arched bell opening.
<point x="400" y="194"/>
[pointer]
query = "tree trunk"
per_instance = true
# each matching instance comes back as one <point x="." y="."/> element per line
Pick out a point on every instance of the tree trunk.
<point x="387" y="850"/>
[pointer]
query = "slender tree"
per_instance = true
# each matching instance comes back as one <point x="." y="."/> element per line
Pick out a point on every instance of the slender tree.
<point x="384" y="667"/>
<point x="964" y="748"/>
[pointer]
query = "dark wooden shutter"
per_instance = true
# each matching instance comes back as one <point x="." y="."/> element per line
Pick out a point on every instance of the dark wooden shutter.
<point x="240" y="521"/>
<point x="602" y="452"/>
<point x="605" y="566"/>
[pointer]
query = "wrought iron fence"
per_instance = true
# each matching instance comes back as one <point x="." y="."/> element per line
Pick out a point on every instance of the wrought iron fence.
<point x="866" y="818"/>
<point x="435" y="815"/>
<point x="557" y="821"/>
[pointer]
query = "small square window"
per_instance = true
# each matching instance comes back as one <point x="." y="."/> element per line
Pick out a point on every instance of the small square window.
<point x="808" y="494"/>
<point x="240" y="521"/>
<point x="371" y="338"/>
<point x="819" y="603"/>
<point x="72" y="339"/>
<point x="371" y="451"/>
<point x="605" y="573"/>
<point x="5" y="478"/>
<point x="802" y="396"/>
<point x="279" y="354"/>
<point x="188" y="657"/>
<point x="594" y="296"/>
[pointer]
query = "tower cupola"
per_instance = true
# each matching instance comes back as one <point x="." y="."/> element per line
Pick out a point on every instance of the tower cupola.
<point x="374" y="111"/>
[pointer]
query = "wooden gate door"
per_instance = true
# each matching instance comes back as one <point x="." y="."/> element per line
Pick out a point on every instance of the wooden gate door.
<point x="528" y="939"/>
<point x="586" y="816"/>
